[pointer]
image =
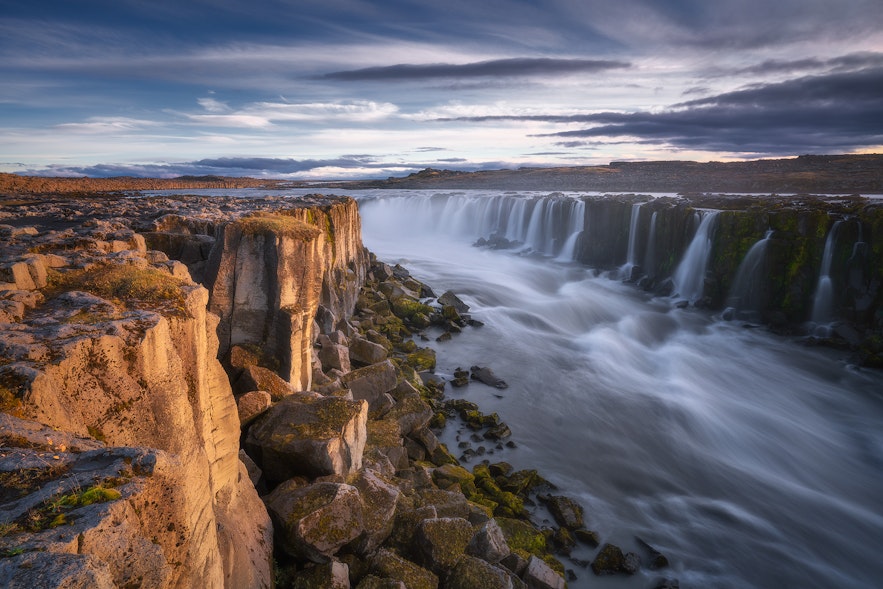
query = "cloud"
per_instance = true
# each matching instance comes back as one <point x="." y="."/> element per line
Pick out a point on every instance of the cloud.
<point x="267" y="114"/>
<point x="841" y="111"/>
<point x="514" y="67"/>
<point x="101" y="125"/>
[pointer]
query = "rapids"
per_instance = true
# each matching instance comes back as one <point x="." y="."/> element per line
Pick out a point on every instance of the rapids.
<point x="747" y="459"/>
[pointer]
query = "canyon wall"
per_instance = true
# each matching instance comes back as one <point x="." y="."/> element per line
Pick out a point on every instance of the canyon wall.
<point x="110" y="383"/>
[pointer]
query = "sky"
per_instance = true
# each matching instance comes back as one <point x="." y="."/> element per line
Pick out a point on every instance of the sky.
<point x="346" y="89"/>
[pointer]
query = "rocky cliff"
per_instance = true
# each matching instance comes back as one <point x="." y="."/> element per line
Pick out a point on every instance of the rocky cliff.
<point x="110" y="345"/>
<point x="113" y="345"/>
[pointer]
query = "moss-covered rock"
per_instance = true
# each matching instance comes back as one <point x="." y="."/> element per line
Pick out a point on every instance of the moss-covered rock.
<point x="441" y="542"/>
<point x="389" y="564"/>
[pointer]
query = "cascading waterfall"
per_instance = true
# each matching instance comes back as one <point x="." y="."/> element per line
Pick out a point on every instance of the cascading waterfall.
<point x="823" y="300"/>
<point x="547" y="225"/>
<point x="577" y="217"/>
<point x="689" y="278"/>
<point x="747" y="297"/>
<point x="650" y="254"/>
<point x="625" y="271"/>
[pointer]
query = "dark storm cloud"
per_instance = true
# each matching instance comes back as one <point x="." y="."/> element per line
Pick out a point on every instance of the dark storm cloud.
<point x="841" y="111"/>
<point x="519" y="66"/>
<point x="853" y="61"/>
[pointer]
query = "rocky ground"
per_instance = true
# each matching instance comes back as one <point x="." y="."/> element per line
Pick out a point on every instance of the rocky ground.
<point x="121" y="430"/>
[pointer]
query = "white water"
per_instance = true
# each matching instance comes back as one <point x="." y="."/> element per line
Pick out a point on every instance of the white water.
<point x="823" y="300"/>
<point x="625" y="271"/>
<point x="747" y="293"/>
<point x="748" y="460"/>
<point x="689" y="277"/>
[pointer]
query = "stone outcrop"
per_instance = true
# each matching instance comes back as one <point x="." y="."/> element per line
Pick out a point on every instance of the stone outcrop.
<point x="270" y="272"/>
<point x="118" y="347"/>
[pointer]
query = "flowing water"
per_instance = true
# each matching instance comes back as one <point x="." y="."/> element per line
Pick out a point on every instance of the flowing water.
<point x="747" y="297"/>
<point x="823" y="300"/>
<point x="748" y="460"/>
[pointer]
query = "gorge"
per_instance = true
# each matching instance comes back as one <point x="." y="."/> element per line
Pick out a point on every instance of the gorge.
<point x="617" y="320"/>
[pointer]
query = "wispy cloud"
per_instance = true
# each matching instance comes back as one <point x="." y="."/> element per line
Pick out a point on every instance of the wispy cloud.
<point x="514" y="67"/>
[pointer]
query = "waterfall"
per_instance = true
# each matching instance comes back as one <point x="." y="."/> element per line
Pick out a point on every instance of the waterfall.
<point x="823" y="300"/>
<point x="625" y="271"/>
<point x="747" y="295"/>
<point x="689" y="278"/>
<point x="577" y="225"/>
<point x="650" y="254"/>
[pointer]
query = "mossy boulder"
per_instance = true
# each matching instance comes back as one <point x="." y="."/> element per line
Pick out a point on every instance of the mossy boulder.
<point x="315" y="521"/>
<point x="441" y="542"/>
<point x="472" y="573"/>
<point x="389" y="564"/>
<point x="379" y="499"/>
<point x="489" y="543"/>
<point x="308" y="436"/>
<point x="567" y="512"/>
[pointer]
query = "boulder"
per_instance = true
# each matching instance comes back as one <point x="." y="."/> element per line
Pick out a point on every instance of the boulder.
<point x="242" y="357"/>
<point x="567" y="512"/>
<point x="370" y="382"/>
<point x="365" y="352"/>
<point x="333" y="355"/>
<point x="588" y="537"/>
<point x="452" y="300"/>
<point x="657" y="559"/>
<point x="258" y="378"/>
<point x="389" y="564"/>
<point x="379" y="499"/>
<point x="446" y="503"/>
<point x="315" y="521"/>
<point x="609" y="560"/>
<point x="472" y="573"/>
<point x="441" y="542"/>
<point x="489" y="543"/>
<point x="330" y="575"/>
<point x="411" y="413"/>
<point x="309" y="437"/>
<point x="487" y="376"/>
<point x="251" y="405"/>
<point x="539" y="575"/>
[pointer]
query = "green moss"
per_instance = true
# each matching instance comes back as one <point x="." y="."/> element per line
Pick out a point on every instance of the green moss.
<point x="407" y="308"/>
<point x="422" y="359"/>
<point x="522" y="536"/>
<point x="124" y="284"/>
<point x="279" y="224"/>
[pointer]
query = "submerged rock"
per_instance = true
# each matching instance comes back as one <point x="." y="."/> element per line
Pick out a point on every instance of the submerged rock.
<point x="487" y="376"/>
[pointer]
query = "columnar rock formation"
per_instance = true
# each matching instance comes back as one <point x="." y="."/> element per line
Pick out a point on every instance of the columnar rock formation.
<point x="118" y="347"/>
<point x="268" y="275"/>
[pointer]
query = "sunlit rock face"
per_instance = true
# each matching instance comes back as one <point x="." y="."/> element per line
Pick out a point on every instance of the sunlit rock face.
<point x="119" y="348"/>
<point x="269" y="273"/>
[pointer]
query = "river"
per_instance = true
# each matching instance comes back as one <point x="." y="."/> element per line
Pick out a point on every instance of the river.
<point x="746" y="458"/>
<point x="749" y="460"/>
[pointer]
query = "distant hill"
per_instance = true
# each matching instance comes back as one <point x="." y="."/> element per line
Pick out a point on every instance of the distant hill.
<point x="806" y="173"/>
<point x="15" y="184"/>
<point x="837" y="174"/>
